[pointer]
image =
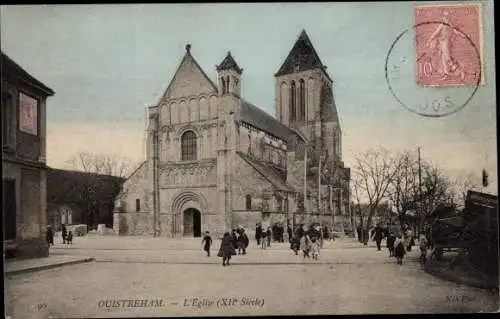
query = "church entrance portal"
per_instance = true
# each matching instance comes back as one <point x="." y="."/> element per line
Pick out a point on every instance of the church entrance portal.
<point x="192" y="222"/>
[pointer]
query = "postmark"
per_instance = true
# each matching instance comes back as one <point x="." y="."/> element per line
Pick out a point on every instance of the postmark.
<point x="446" y="79"/>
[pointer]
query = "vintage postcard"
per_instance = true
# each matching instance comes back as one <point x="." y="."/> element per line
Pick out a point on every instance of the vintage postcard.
<point x="249" y="159"/>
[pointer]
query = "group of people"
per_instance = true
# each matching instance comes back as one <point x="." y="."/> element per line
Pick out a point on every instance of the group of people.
<point x="309" y="242"/>
<point x="399" y="242"/>
<point x="232" y="244"/>
<point x="263" y="237"/>
<point x="67" y="236"/>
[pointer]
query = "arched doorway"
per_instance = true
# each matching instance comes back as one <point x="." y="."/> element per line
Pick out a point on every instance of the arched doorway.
<point x="192" y="222"/>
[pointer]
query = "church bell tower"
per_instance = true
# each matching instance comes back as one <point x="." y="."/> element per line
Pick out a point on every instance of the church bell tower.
<point x="229" y="76"/>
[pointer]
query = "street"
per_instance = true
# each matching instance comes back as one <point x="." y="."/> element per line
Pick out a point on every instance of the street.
<point x="176" y="278"/>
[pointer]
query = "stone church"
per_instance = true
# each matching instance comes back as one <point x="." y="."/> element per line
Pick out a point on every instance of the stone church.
<point x="216" y="161"/>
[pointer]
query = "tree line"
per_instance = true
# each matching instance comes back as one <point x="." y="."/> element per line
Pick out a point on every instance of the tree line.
<point x="405" y="181"/>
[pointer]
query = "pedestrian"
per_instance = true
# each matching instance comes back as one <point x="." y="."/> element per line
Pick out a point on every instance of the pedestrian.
<point x="390" y="243"/>
<point x="300" y="231"/>
<point x="321" y="234"/>
<point x="290" y="233"/>
<point x="305" y="245"/>
<point x="258" y="233"/>
<point x="207" y="242"/>
<point x="69" y="238"/>
<point x="399" y="249"/>
<point x="263" y="236"/>
<point x="64" y="233"/>
<point x="226" y="249"/>
<point x="50" y="236"/>
<point x="423" y="248"/>
<point x="234" y="237"/>
<point x="378" y="234"/>
<point x="295" y="244"/>
<point x="268" y="236"/>
<point x="315" y="247"/>
<point x="242" y="242"/>
<point x="282" y="233"/>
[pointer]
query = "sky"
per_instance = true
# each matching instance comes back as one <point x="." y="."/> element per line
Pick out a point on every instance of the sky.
<point x="106" y="63"/>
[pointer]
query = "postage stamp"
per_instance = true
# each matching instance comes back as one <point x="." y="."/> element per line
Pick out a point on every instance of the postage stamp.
<point x="448" y="42"/>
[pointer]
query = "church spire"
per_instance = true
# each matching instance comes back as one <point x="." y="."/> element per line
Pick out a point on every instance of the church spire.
<point x="229" y="64"/>
<point x="302" y="57"/>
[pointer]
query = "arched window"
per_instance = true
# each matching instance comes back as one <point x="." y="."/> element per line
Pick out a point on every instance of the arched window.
<point x="302" y="100"/>
<point x="227" y="84"/>
<point x="293" y="95"/>
<point x="188" y="146"/>
<point x="248" y="202"/>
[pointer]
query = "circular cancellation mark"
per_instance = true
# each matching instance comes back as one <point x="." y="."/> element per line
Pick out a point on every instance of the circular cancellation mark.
<point x="433" y="82"/>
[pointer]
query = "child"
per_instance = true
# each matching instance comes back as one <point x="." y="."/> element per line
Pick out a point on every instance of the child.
<point x="305" y="245"/>
<point x="390" y="244"/>
<point x="295" y="244"/>
<point x="207" y="241"/>
<point x="69" y="238"/>
<point x="50" y="236"/>
<point x="399" y="249"/>
<point x="315" y="247"/>
<point x="423" y="248"/>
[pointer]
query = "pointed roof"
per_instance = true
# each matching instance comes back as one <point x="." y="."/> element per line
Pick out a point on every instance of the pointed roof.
<point x="229" y="64"/>
<point x="188" y="58"/>
<point x="302" y="54"/>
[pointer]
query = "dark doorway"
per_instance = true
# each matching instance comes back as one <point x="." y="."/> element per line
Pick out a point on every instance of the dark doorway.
<point x="9" y="208"/>
<point x="192" y="222"/>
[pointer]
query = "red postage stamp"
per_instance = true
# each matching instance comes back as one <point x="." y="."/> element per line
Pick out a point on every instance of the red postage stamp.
<point x="448" y="42"/>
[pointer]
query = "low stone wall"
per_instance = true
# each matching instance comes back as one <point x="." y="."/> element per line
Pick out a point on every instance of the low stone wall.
<point x="31" y="248"/>
<point x="135" y="224"/>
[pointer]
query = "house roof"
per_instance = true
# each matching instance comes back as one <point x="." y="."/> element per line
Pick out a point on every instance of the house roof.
<point x="7" y="64"/>
<point x="65" y="186"/>
<point x="268" y="172"/>
<point x="304" y="55"/>
<point x="229" y="64"/>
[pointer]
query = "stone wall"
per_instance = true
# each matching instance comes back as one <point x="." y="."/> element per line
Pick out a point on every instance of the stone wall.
<point x="136" y="224"/>
<point x="247" y="181"/>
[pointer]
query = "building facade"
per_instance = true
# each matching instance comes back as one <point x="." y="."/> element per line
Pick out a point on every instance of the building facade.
<point x="24" y="199"/>
<point x="216" y="161"/>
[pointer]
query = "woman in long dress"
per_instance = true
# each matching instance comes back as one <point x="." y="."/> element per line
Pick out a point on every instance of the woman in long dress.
<point x="399" y="249"/>
<point x="226" y="249"/>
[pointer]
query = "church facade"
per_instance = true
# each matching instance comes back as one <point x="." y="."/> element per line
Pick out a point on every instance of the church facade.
<point x="215" y="161"/>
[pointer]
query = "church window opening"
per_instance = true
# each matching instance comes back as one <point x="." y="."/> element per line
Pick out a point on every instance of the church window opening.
<point x="137" y="205"/>
<point x="296" y="67"/>
<point x="248" y="202"/>
<point x="223" y="82"/>
<point x="293" y="94"/>
<point x="302" y="100"/>
<point x="188" y="146"/>
<point x="227" y="84"/>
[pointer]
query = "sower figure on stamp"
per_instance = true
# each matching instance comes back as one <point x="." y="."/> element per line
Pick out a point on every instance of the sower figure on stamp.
<point x="207" y="242"/>
<point x="226" y="249"/>
<point x="441" y="42"/>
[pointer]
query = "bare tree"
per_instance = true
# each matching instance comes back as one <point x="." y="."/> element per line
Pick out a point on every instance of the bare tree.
<point x="100" y="183"/>
<point x="459" y="187"/>
<point x="101" y="164"/>
<point x="373" y="171"/>
<point x="435" y="190"/>
<point x="403" y="190"/>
